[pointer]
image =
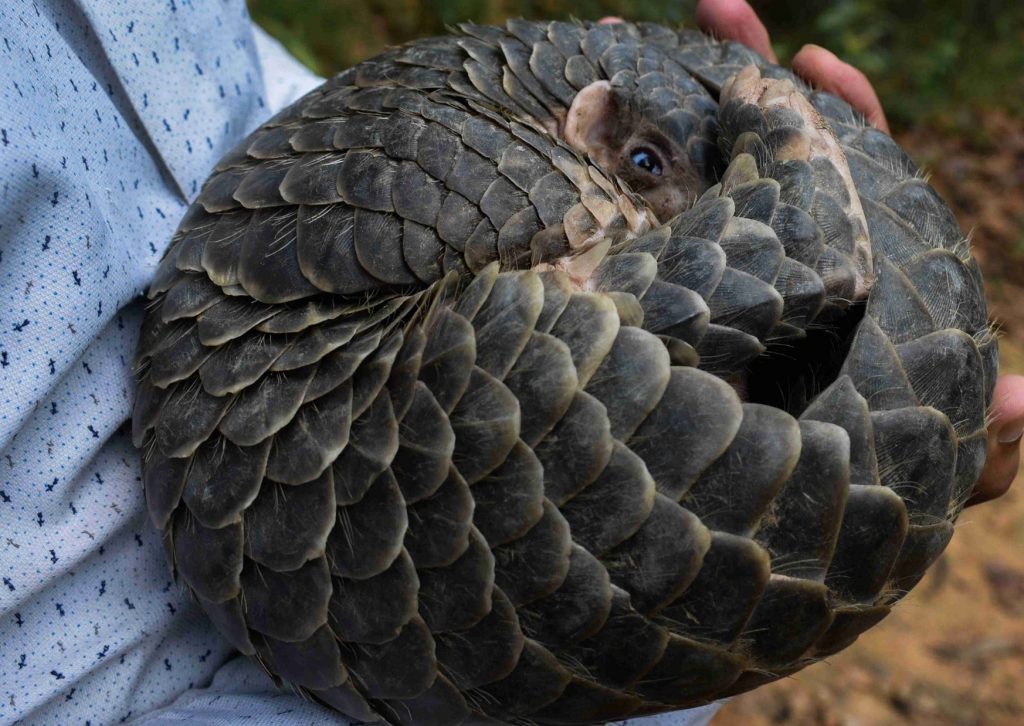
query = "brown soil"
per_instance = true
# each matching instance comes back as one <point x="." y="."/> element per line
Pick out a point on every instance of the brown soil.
<point x="953" y="651"/>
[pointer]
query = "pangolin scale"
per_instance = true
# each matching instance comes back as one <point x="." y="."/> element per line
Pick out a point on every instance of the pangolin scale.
<point x="559" y="373"/>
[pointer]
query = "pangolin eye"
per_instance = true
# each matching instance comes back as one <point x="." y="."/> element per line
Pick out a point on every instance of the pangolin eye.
<point x="646" y="160"/>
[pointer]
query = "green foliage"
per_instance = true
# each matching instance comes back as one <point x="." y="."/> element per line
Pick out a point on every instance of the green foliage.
<point x="933" y="61"/>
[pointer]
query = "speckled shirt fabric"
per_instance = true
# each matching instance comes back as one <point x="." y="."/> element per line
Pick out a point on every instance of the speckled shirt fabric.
<point x="113" y="113"/>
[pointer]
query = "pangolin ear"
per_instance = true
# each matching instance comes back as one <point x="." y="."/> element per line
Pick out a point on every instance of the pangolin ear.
<point x="593" y="121"/>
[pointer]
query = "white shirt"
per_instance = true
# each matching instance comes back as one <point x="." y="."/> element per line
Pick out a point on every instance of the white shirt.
<point x="113" y="112"/>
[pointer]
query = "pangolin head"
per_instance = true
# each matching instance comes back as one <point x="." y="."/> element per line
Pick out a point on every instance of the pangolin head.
<point x="652" y="132"/>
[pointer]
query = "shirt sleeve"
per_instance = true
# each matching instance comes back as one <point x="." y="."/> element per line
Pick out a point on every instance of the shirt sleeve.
<point x="286" y="79"/>
<point x="113" y="113"/>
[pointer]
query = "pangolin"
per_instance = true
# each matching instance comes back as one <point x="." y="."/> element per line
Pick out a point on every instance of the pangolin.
<point x="559" y="373"/>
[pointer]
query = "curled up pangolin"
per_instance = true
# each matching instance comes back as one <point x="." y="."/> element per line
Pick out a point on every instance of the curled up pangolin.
<point x="558" y="373"/>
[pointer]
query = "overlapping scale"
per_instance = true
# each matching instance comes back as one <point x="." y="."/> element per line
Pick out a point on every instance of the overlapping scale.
<point x="427" y="485"/>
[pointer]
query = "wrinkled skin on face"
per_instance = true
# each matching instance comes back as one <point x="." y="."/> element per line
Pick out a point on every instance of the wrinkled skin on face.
<point x="619" y="130"/>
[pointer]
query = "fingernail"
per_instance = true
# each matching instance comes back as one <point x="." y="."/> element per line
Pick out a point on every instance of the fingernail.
<point x="1011" y="435"/>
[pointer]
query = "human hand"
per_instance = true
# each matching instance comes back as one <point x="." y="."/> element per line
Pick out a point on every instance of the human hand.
<point x="736" y="20"/>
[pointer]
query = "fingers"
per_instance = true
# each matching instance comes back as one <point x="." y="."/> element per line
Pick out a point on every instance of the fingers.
<point x="824" y="70"/>
<point x="1004" y="436"/>
<point x="735" y="20"/>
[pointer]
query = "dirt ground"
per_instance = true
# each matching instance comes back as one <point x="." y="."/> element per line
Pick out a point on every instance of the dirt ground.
<point x="953" y="651"/>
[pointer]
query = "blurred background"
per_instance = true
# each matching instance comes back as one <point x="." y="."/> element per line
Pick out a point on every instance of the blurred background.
<point x="950" y="74"/>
